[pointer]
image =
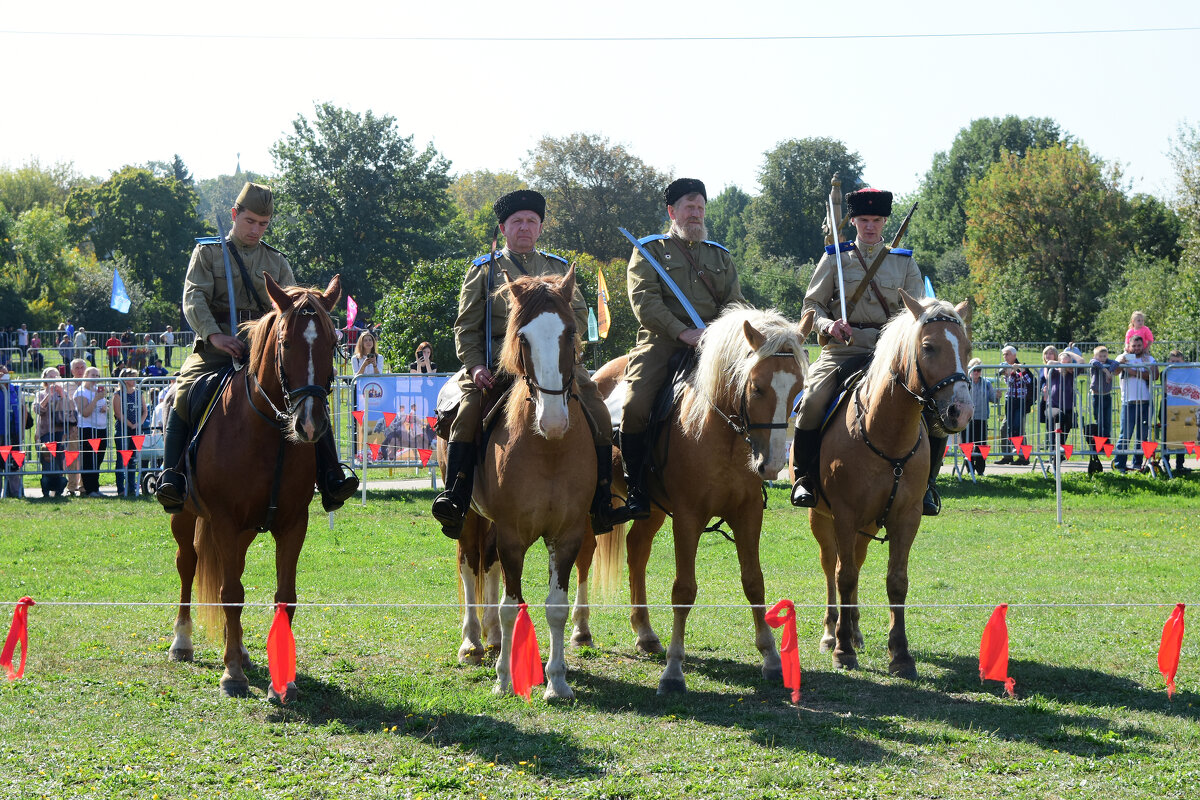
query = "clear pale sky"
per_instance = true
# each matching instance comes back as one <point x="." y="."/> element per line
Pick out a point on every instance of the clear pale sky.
<point x="107" y="84"/>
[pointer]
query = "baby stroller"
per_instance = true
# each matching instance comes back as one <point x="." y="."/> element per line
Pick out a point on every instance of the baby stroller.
<point x="151" y="454"/>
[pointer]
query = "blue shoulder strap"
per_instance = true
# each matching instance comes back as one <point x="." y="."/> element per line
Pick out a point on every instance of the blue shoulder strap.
<point x="716" y="244"/>
<point x="483" y="259"/>
<point x="654" y="238"/>
<point x="553" y="256"/>
<point x="845" y="247"/>
<point x="208" y="240"/>
<point x="898" y="252"/>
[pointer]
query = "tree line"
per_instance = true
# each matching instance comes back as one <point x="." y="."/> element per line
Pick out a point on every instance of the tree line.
<point x="1044" y="236"/>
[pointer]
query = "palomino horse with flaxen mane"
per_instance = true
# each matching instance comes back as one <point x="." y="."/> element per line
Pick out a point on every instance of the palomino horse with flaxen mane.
<point x="255" y="470"/>
<point x="727" y="435"/>
<point x="874" y="465"/>
<point x="537" y="477"/>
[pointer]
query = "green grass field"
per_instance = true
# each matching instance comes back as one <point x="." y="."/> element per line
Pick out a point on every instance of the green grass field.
<point x="386" y="712"/>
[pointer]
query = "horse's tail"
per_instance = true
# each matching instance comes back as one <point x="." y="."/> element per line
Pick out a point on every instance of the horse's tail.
<point x="607" y="561"/>
<point x="208" y="579"/>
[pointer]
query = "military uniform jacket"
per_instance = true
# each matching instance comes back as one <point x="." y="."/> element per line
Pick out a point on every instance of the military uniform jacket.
<point x="206" y="293"/>
<point x="898" y="271"/>
<point x="658" y="311"/>
<point x="469" y="329"/>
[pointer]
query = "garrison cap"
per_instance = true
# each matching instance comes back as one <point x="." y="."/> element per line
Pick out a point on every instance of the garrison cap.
<point x="682" y="187"/>
<point x="871" y="202"/>
<point x="520" y="200"/>
<point x="257" y="199"/>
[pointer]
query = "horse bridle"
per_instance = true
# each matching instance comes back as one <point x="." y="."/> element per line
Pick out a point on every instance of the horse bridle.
<point x="735" y="422"/>
<point x="292" y="397"/>
<point x="534" y="386"/>
<point x="926" y="398"/>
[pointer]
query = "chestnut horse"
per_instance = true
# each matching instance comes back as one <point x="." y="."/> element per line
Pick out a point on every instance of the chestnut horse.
<point x="874" y="465"/>
<point x="727" y="435"/>
<point x="257" y="452"/>
<point x="536" y="478"/>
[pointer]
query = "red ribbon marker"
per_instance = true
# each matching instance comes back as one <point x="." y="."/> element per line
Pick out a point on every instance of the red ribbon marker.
<point x="70" y="456"/>
<point x="388" y="418"/>
<point x="425" y="456"/>
<point x="784" y="613"/>
<point x="125" y="456"/>
<point x="6" y="449"/>
<point x="374" y="447"/>
<point x="281" y="652"/>
<point x="1148" y="449"/>
<point x="1026" y="450"/>
<point x="526" y="661"/>
<point x="138" y="441"/>
<point x="984" y="450"/>
<point x="18" y="632"/>
<point x="967" y="448"/>
<point x="1067" y="450"/>
<point x="1168" y="649"/>
<point x="95" y="444"/>
<point x="993" y="651"/>
<point x="52" y="447"/>
<point x="358" y="417"/>
<point x="18" y="456"/>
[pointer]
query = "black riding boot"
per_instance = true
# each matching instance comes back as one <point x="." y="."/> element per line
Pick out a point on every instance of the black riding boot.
<point x="171" y="490"/>
<point x="633" y="460"/>
<point x="805" y="446"/>
<point x="335" y="485"/>
<point x="604" y="516"/>
<point x="931" y="505"/>
<point x="450" y="507"/>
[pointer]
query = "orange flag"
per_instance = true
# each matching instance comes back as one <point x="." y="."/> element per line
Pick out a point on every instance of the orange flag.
<point x="603" y="321"/>
<point x="784" y="613"/>
<point x="1017" y="440"/>
<point x="6" y="449"/>
<point x="431" y="422"/>
<point x="281" y="652"/>
<point x="526" y="661"/>
<point x="1098" y="442"/>
<point x="358" y="417"/>
<point x="1168" y="649"/>
<point x="52" y="447"/>
<point x="1026" y="449"/>
<point x="374" y="450"/>
<point x="19" y="457"/>
<point x="425" y="456"/>
<point x="993" y="651"/>
<point x="1189" y="447"/>
<point x="1067" y="450"/>
<point x="17" y="632"/>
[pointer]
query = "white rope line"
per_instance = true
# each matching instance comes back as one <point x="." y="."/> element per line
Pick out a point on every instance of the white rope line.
<point x="271" y="604"/>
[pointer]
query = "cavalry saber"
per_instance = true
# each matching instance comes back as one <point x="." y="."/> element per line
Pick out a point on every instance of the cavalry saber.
<point x="662" y="273"/>
<point x="228" y="280"/>
<point x="837" y="254"/>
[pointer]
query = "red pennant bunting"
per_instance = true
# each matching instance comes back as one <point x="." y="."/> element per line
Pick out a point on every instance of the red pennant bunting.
<point x="374" y="450"/>
<point x="6" y="449"/>
<point x="425" y="456"/>
<point x="947" y="451"/>
<point x="70" y="457"/>
<point x="125" y="456"/>
<point x="1026" y="450"/>
<point x="388" y="418"/>
<point x="138" y="441"/>
<point x="19" y="457"/>
<point x="784" y="613"/>
<point x="1189" y="447"/>
<point x="1148" y="448"/>
<point x="358" y="417"/>
<point x="1108" y="448"/>
<point x="281" y="652"/>
<point x="967" y="448"/>
<point x="526" y="661"/>
<point x="431" y="422"/>
<point x="1067" y="450"/>
<point x="1168" y="649"/>
<point x="1017" y="441"/>
<point x="1099" y="442"/>
<point x="993" y="650"/>
<point x="17" y="632"/>
<point x="95" y="443"/>
<point x="52" y="447"/>
<point x="984" y="450"/>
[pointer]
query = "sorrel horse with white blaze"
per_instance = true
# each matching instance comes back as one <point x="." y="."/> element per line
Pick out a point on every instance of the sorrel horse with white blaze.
<point x="874" y="465"/>
<point x="256" y="469"/>
<point x="537" y="476"/>
<point x="727" y="435"/>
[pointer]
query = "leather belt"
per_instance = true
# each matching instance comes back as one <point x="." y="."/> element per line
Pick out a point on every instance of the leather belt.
<point x="867" y="326"/>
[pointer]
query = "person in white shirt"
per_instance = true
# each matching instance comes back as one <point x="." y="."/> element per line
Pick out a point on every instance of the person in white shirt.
<point x="1137" y="370"/>
<point x="91" y="400"/>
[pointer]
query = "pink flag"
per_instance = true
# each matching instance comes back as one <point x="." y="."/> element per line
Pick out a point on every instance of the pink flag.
<point x="351" y="312"/>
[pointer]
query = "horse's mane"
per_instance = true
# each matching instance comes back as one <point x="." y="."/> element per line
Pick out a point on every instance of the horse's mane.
<point x="258" y="332"/>
<point x="725" y="358"/>
<point x="536" y="295"/>
<point x="896" y="350"/>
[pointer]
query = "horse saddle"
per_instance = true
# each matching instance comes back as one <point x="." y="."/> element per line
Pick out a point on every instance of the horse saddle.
<point x="450" y="397"/>
<point x="202" y="398"/>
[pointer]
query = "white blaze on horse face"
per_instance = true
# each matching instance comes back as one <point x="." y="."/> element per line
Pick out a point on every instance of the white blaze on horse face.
<point x="958" y="412"/>
<point x="782" y="383"/>
<point x="544" y="335"/>
<point x="304" y="419"/>
<point x="310" y="336"/>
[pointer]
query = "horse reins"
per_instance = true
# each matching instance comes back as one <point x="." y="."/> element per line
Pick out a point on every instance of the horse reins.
<point x="735" y="421"/>
<point x="926" y="397"/>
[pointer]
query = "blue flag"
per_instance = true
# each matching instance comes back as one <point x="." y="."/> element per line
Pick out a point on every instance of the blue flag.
<point x="120" y="298"/>
<point x="929" y="287"/>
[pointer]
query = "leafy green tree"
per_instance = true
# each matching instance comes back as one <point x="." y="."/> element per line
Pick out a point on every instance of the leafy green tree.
<point x="785" y="218"/>
<point x="1185" y="157"/>
<point x="151" y="221"/>
<point x="422" y="310"/>
<point x="1152" y="228"/>
<point x="32" y="185"/>
<point x="36" y="258"/>
<point x="592" y="188"/>
<point x="1050" y="221"/>
<point x="92" y="291"/>
<point x="175" y="168"/>
<point x="355" y="197"/>
<point x="476" y="191"/>
<point x="726" y="216"/>
<point x="940" y="223"/>
<point x="1141" y="284"/>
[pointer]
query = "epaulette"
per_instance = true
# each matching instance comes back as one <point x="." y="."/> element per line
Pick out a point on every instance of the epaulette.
<point x="208" y="240"/>
<point x="483" y="259"/>
<point x="552" y="255"/>
<point x="654" y="238"/>
<point x="845" y="247"/>
<point x="716" y="244"/>
<point x="898" y="252"/>
<point x="272" y="249"/>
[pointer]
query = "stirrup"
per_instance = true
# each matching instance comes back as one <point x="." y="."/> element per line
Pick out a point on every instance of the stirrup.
<point x="336" y="492"/>
<point x="171" y="490"/>
<point x="450" y="513"/>
<point x="637" y="505"/>
<point x="802" y="496"/>
<point x="931" y="504"/>
<point x="605" y="517"/>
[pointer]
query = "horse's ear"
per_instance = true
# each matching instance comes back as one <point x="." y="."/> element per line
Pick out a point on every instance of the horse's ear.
<point x="568" y="281"/>
<point x="332" y="293"/>
<point x="964" y="311"/>
<point x="914" y="306"/>
<point x="282" y="300"/>
<point x="756" y="339"/>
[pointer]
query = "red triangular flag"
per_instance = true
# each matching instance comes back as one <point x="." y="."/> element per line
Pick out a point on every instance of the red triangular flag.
<point x="526" y="661"/>
<point x="95" y="443"/>
<point x="784" y="613"/>
<point x="6" y="449"/>
<point x="984" y="450"/>
<point x="1099" y="442"/>
<point x="281" y="652"/>
<point x="993" y="650"/>
<point x="358" y="417"/>
<point x="425" y="455"/>
<point x="17" y="632"/>
<point x="947" y="451"/>
<point x="52" y="447"/>
<point x="374" y="446"/>
<point x="1189" y="447"/>
<point x="138" y="441"/>
<point x="125" y="456"/>
<point x="1018" y="441"/>
<point x="1148" y="448"/>
<point x="388" y="417"/>
<point x="1026" y="450"/>
<point x="70" y="456"/>
<point x="1067" y="450"/>
<point x="1108" y="448"/>
<point x="967" y="448"/>
<point x="19" y="457"/>
<point x="1168" y="649"/>
<point x="431" y="421"/>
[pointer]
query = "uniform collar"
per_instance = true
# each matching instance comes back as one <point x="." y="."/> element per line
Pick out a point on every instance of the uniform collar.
<point x="520" y="258"/>
<point x="868" y="250"/>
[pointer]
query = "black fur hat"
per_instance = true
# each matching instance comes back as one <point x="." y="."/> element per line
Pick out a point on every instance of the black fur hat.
<point x="873" y="202"/>
<point x="682" y="187"/>
<point x="520" y="200"/>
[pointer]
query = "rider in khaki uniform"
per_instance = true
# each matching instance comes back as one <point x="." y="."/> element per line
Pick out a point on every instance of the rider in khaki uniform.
<point x="850" y="346"/>
<point x="704" y="271"/>
<point x="520" y="215"/>
<point x="206" y="308"/>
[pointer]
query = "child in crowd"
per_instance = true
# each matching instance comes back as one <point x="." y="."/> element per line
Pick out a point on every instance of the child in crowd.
<point x="1137" y="327"/>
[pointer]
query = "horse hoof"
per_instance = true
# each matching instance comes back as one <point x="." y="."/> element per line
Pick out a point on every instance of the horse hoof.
<point x="232" y="688"/>
<point x="773" y="674"/>
<point x="581" y="640"/>
<point x="668" y="686"/>
<point x="846" y="661"/>
<point x="470" y="656"/>
<point x="904" y="669"/>
<point x="181" y="654"/>
<point x="560" y="694"/>
<point x="650" y="647"/>
<point x="827" y="644"/>
<point x="289" y="694"/>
